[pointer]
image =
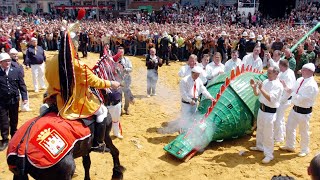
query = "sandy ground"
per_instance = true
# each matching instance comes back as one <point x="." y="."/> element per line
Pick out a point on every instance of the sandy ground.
<point x="150" y="161"/>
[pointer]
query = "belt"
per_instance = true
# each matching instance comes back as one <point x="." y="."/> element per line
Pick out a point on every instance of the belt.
<point x="302" y="110"/>
<point x="112" y="103"/>
<point x="267" y="109"/>
<point x="185" y="102"/>
<point x="290" y="98"/>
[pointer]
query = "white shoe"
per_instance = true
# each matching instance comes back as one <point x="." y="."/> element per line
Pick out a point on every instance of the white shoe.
<point x="36" y="90"/>
<point x="285" y="148"/>
<point x="266" y="160"/>
<point x="302" y="154"/>
<point x="148" y="96"/>
<point x="119" y="136"/>
<point x="277" y="143"/>
<point x="154" y="94"/>
<point x="255" y="149"/>
<point x="25" y="109"/>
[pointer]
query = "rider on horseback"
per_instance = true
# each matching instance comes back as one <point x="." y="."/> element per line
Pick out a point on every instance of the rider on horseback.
<point x="71" y="93"/>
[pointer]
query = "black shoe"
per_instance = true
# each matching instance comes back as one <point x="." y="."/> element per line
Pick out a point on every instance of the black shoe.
<point x="4" y="144"/>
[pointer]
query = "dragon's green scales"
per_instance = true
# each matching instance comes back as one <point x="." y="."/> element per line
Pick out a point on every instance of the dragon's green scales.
<point x="232" y="115"/>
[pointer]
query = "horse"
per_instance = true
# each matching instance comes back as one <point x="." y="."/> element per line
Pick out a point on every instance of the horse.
<point x="65" y="168"/>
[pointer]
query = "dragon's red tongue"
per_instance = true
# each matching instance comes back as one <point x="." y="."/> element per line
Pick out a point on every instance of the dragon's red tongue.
<point x="81" y="14"/>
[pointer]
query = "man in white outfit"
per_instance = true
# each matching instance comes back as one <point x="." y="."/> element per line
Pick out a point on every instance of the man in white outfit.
<point x="304" y="94"/>
<point x="285" y="75"/>
<point x="205" y="68"/>
<point x="216" y="65"/>
<point x="270" y="91"/>
<point x="253" y="59"/>
<point x="186" y="69"/>
<point x="190" y="88"/>
<point x="35" y="58"/>
<point x="234" y="62"/>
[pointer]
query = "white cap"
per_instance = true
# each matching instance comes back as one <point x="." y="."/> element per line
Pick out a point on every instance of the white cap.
<point x="223" y="33"/>
<point x="309" y="66"/>
<point x="13" y="51"/>
<point x="4" y="56"/>
<point x="252" y="36"/>
<point x="259" y="38"/>
<point x="196" y="69"/>
<point x="245" y="34"/>
<point x="198" y="38"/>
<point x="34" y="39"/>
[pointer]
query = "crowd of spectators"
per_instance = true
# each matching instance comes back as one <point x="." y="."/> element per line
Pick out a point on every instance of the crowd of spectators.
<point x="190" y="29"/>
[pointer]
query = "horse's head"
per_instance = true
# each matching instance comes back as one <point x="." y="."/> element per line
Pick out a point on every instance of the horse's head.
<point x="108" y="69"/>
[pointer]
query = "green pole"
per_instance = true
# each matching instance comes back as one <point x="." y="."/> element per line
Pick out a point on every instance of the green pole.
<point x="305" y="37"/>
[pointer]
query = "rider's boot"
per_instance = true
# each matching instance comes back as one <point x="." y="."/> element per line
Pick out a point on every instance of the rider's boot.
<point x="98" y="141"/>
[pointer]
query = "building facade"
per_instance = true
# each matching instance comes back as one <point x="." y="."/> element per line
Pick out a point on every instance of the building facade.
<point x="29" y="6"/>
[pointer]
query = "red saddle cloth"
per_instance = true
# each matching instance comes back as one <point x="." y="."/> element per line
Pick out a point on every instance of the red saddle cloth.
<point x="50" y="139"/>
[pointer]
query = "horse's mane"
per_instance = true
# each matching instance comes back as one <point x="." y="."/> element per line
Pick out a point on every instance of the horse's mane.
<point x="108" y="69"/>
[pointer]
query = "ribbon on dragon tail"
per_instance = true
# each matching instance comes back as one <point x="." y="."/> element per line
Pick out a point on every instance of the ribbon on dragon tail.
<point x="107" y="68"/>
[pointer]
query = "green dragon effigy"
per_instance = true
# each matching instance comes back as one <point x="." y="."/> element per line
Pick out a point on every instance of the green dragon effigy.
<point x="232" y="114"/>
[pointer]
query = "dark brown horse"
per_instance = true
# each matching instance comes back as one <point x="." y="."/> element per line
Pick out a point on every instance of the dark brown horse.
<point x="65" y="168"/>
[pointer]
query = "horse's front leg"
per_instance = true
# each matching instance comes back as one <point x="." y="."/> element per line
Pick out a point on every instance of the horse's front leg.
<point x="117" y="168"/>
<point x="86" y="161"/>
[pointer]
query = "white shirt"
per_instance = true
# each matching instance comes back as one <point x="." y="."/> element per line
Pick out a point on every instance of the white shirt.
<point x="265" y="62"/>
<point x="290" y="79"/>
<point x="274" y="89"/>
<point x="7" y="70"/>
<point x="273" y="63"/>
<point x="232" y="64"/>
<point x="216" y="70"/>
<point x="307" y="93"/>
<point x="154" y="58"/>
<point x="255" y="63"/>
<point x="204" y="74"/>
<point x="126" y="64"/>
<point x="187" y="89"/>
<point x="184" y="71"/>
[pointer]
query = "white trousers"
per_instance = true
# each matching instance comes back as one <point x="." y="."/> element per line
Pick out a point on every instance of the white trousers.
<point x="264" y="137"/>
<point x="101" y="113"/>
<point x="188" y="109"/>
<point x="115" y="112"/>
<point x="294" y="120"/>
<point x="187" y="112"/>
<point x="279" y="124"/>
<point x="38" y="75"/>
